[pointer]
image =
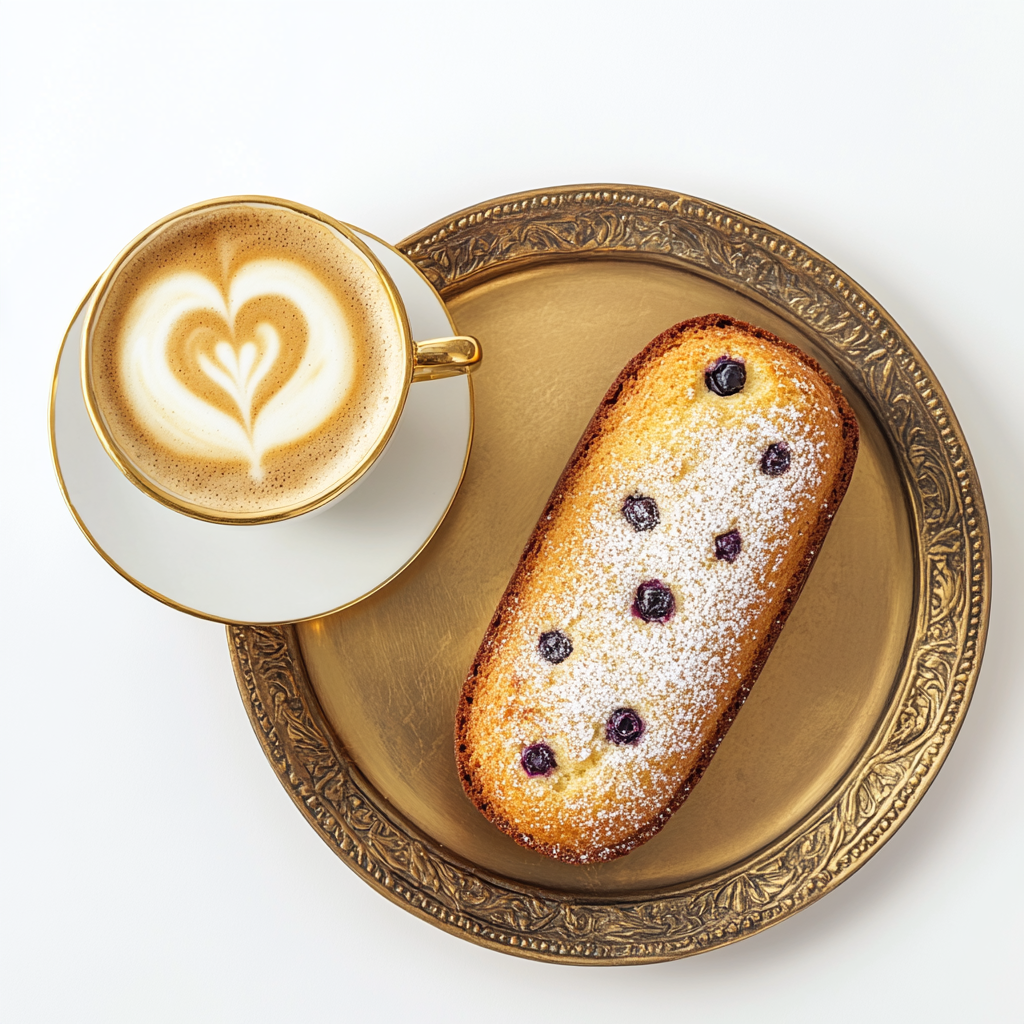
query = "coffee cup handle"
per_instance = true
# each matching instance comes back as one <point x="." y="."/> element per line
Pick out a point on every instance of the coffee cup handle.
<point x="445" y="357"/>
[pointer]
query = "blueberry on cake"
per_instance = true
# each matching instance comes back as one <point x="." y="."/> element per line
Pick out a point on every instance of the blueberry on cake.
<point x="653" y="588"/>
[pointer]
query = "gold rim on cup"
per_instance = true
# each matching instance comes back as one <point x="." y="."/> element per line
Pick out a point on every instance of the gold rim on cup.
<point x="425" y="360"/>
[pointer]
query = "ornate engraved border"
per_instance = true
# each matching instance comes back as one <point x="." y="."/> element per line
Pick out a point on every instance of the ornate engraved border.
<point x="931" y="693"/>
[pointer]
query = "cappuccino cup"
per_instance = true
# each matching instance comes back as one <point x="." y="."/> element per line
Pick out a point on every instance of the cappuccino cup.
<point x="246" y="360"/>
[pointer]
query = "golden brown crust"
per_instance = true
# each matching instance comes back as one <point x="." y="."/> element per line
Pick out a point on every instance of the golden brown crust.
<point x="666" y="341"/>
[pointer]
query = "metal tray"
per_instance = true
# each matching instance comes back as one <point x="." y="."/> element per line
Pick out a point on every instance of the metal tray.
<point x="858" y="705"/>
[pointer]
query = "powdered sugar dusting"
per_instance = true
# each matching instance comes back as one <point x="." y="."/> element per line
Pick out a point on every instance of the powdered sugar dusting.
<point x="699" y="457"/>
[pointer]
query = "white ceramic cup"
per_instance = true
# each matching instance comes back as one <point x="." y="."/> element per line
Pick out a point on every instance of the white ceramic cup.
<point x="422" y="361"/>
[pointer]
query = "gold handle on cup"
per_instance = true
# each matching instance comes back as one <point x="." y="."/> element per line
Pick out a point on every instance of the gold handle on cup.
<point x="445" y="357"/>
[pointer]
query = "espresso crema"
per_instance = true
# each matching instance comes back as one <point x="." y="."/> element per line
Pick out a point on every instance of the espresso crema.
<point x="246" y="359"/>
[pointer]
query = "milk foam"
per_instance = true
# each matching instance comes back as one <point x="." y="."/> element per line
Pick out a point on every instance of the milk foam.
<point x="247" y="359"/>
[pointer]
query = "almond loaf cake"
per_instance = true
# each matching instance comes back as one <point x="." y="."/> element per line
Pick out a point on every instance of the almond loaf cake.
<point x="653" y="588"/>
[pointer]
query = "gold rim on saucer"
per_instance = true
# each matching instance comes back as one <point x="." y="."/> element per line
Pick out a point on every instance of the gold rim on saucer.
<point x="163" y="598"/>
<point x="858" y="705"/>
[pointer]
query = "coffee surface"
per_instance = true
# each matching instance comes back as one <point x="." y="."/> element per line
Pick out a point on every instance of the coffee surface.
<point x="247" y="358"/>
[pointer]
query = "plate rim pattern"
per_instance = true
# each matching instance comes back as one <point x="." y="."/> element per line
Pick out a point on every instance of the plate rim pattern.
<point x="932" y="687"/>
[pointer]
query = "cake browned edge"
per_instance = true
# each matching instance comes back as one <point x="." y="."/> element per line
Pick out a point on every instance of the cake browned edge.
<point x="661" y="344"/>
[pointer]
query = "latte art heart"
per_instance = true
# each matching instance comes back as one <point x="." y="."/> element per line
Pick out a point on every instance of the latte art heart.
<point x="184" y="419"/>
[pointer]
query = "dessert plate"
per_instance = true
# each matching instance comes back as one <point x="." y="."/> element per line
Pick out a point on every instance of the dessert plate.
<point x="857" y="706"/>
<point x="291" y="570"/>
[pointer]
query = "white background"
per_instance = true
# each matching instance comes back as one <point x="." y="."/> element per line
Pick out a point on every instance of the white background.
<point x="153" y="868"/>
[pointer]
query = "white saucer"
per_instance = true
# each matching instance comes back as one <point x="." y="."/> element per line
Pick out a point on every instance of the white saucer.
<point x="299" y="568"/>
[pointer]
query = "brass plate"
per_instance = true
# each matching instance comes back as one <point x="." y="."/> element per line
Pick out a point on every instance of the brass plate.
<point x="859" y="702"/>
